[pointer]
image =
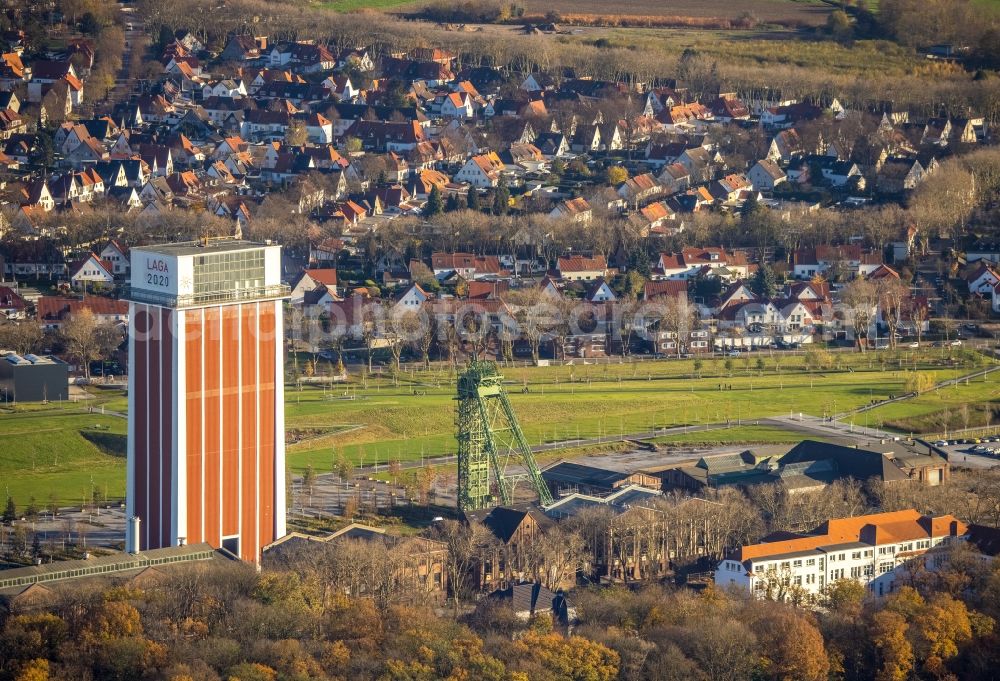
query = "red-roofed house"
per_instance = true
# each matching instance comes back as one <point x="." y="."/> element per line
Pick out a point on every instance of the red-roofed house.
<point x="12" y="305"/>
<point x="52" y="311"/>
<point x="578" y="210"/>
<point x="982" y="278"/>
<point x="457" y="105"/>
<point x="582" y="268"/>
<point x="117" y="255"/>
<point x="481" y="171"/>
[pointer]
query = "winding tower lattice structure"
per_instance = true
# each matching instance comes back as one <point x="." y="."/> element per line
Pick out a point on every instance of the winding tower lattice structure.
<point x="489" y="437"/>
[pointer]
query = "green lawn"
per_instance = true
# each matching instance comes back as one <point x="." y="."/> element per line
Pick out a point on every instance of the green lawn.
<point x="958" y="406"/>
<point x="62" y="453"/>
<point x="588" y="401"/>
<point x="56" y="449"/>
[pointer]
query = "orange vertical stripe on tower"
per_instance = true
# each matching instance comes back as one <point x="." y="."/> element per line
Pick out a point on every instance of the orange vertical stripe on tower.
<point x="212" y="425"/>
<point x="266" y="389"/>
<point x="230" y="421"/>
<point x="249" y="548"/>
<point x="194" y="338"/>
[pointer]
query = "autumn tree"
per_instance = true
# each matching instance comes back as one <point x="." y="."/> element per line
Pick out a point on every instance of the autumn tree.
<point x="615" y="175"/>
<point x="895" y="654"/>
<point x="793" y="645"/>
<point x="550" y="655"/>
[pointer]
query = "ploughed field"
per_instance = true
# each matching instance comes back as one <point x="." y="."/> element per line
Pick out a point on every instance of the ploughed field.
<point x="674" y="12"/>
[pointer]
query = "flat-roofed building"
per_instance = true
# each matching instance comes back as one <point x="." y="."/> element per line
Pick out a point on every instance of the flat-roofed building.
<point x="33" y="378"/>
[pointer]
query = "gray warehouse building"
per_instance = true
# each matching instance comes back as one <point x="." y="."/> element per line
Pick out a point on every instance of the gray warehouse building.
<point x="31" y="378"/>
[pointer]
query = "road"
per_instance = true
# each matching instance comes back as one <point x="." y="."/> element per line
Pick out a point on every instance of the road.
<point x="123" y="83"/>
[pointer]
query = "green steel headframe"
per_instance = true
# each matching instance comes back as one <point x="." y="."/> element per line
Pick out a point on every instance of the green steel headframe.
<point x="488" y="438"/>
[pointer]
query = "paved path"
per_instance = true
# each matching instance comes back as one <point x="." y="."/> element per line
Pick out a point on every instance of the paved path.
<point x="814" y="425"/>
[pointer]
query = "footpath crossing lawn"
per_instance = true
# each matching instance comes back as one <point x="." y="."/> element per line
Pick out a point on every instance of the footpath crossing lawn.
<point x="966" y="404"/>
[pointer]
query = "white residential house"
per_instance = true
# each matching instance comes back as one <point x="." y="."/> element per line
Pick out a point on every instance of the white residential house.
<point x="117" y="257"/>
<point x="319" y="129"/>
<point x="983" y="279"/>
<point x="481" y="171"/>
<point x="785" y="146"/>
<point x="92" y="270"/>
<point x="229" y="88"/>
<point x="412" y="298"/>
<point x="766" y="175"/>
<point x="457" y="105"/>
<point x="878" y="551"/>
<point x="600" y="292"/>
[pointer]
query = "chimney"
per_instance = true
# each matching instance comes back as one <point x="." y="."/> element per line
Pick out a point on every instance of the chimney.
<point x="132" y="535"/>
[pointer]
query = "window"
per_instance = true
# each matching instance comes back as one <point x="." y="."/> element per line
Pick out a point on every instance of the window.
<point x="796" y="563"/>
<point x="810" y="562"/>
<point x="224" y="272"/>
<point x="856" y="555"/>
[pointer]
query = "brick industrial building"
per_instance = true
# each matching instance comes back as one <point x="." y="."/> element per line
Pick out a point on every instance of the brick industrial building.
<point x="206" y="458"/>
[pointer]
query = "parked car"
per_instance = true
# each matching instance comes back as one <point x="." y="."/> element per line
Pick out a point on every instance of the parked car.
<point x="914" y="344"/>
<point x="733" y="353"/>
<point x="956" y="342"/>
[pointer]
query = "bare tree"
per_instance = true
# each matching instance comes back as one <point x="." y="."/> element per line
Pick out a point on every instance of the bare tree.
<point x="677" y="317"/>
<point x="533" y="313"/>
<point x="369" y="329"/>
<point x="892" y="295"/>
<point x="87" y="339"/>
<point x="464" y="542"/>
<point x="21" y="337"/>
<point x="860" y="301"/>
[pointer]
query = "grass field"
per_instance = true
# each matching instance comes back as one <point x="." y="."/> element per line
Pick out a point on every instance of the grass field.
<point x="61" y="452"/>
<point x="585" y="402"/>
<point x="58" y="450"/>
<point x="958" y="406"/>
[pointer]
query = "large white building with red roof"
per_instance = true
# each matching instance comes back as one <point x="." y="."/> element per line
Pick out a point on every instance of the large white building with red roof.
<point x="875" y="550"/>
